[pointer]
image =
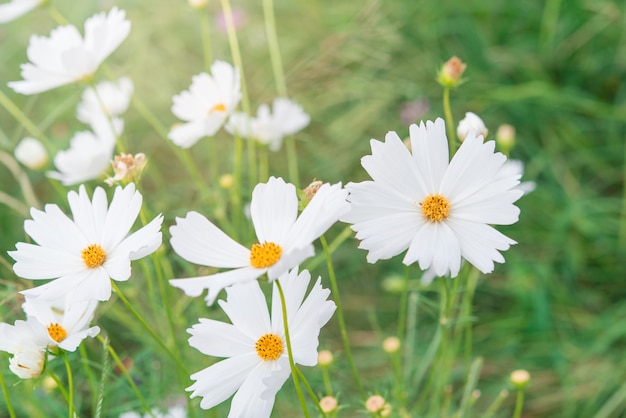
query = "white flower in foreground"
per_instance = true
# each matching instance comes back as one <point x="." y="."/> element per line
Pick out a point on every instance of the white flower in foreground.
<point x="256" y="362"/>
<point x="439" y="210"/>
<point x="206" y="105"/>
<point x="16" y="8"/>
<point x="284" y="239"/>
<point x="89" y="155"/>
<point x="66" y="57"/>
<point x="84" y="253"/>
<point x="270" y="127"/>
<point x="471" y="123"/>
<point x="109" y="99"/>
<point x="66" y="323"/>
<point x="27" y="342"/>
<point x="31" y="153"/>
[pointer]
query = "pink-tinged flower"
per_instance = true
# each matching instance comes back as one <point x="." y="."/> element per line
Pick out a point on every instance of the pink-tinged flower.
<point x="284" y="238"/>
<point x="66" y="57"/>
<point x="438" y="210"/>
<point x="82" y="254"/>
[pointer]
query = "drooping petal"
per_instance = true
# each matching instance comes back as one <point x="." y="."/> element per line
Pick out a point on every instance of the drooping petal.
<point x="218" y="339"/>
<point x="194" y="286"/>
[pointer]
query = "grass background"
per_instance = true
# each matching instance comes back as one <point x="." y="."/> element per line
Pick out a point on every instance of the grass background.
<point x="552" y="69"/>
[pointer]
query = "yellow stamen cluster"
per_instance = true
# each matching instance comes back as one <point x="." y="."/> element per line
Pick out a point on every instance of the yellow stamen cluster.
<point x="93" y="256"/>
<point x="57" y="332"/>
<point x="220" y="107"/>
<point x="269" y="347"/>
<point x="265" y="255"/>
<point x="435" y="207"/>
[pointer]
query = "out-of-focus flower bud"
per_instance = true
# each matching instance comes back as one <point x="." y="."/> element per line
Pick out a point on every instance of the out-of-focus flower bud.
<point x="198" y="4"/>
<point x="520" y="378"/>
<point x="127" y="168"/>
<point x="31" y="153"/>
<point x="505" y="138"/>
<point x="325" y="358"/>
<point x="328" y="404"/>
<point x="391" y="345"/>
<point x="471" y="122"/>
<point x="451" y="72"/>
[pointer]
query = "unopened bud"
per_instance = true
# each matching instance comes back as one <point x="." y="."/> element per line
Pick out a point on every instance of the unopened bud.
<point x="127" y="168"/>
<point x="375" y="403"/>
<point x="471" y="123"/>
<point x="325" y="358"/>
<point x="198" y="4"/>
<point x="451" y="72"/>
<point x="505" y="138"/>
<point x="328" y="404"/>
<point x="311" y="189"/>
<point x="520" y="378"/>
<point x="391" y="345"/>
<point x="31" y="153"/>
<point x="226" y="181"/>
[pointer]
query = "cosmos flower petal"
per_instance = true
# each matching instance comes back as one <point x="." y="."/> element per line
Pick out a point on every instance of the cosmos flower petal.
<point x="290" y="259"/>
<point x="47" y="225"/>
<point x="273" y="209"/>
<point x="35" y="262"/>
<point x="247" y="402"/>
<point x="73" y="341"/>
<point x="431" y="156"/>
<point x="435" y="246"/>
<point x="218" y="339"/>
<point x="215" y="283"/>
<point x="246" y="308"/>
<point x="197" y="240"/>
<point x="16" y="8"/>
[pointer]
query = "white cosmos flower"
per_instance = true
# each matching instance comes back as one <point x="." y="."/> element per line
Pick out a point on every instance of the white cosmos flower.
<point x="256" y="362"/>
<point x="284" y="239"/>
<point x="27" y="341"/>
<point x="109" y="99"/>
<point x="90" y="153"/>
<point x="206" y="105"/>
<point x="439" y="210"/>
<point x="83" y="254"/>
<point x="66" y="57"/>
<point x="31" y="153"/>
<point x="16" y="8"/>
<point x="471" y="123"/>
<point x="270" y="126"/>
<point x="66" y="323"/>
<point x="516" y="167"/>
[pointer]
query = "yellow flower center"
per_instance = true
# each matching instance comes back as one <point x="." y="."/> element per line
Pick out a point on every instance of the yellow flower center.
<point x="220" y="107"/>
<point x="265" y="255"/>
<point x="93" y="256"/>
<point x="435" y="207"/>
<point x="269" y="347"/>
<point x="57" y="332"/>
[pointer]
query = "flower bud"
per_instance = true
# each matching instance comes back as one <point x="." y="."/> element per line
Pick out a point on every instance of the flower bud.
<point x="451" y="72"/>
<point x="325" y="358"/>
<point x="391" y="345"/>
<point x="328" y="404"/>
<point x="198" y="4"/>
<point x="520" y="378"/>
<point x="471" y="123"/>
<point x="27" y="363"/>
<point x="127" y="168"/>
<point x="31" y="153"/>
<point x="226" y="181"/>
<point x="505" y="138"/>
<point x="375" y="403"/>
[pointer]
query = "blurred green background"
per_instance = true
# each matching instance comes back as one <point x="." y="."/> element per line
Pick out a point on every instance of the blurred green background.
<point x="554" y="69"/>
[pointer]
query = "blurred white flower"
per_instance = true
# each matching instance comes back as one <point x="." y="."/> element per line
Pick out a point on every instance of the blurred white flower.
<point x="440" y="210"/>
<point x="206" y="105"/>
<point x="516" y="167"/>
<point x="173" y="412"/>
<point x="284" y="238"/>
<point x="270" y="127"/>
<point x="89" y="155"/>
<point x="65" y="56"/>
<point x="109" y="99"/>
<point x="27" y="362"/>
<point x="471" y="123"/>
<point x="65" y="322"/>
<point x="31" y="153"/>
<point x="256" y="363"/>
<point x="16" y="8"/>
<point x="83" y="255"/>
<point x="27" y="341"/>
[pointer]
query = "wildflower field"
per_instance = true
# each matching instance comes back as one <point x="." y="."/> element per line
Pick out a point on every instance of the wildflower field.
<point x="312" y="208"/>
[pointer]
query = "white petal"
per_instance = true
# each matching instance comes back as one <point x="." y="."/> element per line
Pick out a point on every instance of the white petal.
<point x="218" y="339"/>
<point x="247" y="402"/>
<point x="273" y="209"/>
<point x="246" y="307"/>
<point x="430" y="152"/>
<point x="216" y="282"/>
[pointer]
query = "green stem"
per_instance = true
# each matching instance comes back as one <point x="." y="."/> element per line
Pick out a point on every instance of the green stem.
<point x="272" y="43"/>
<point x="7" y="398"/>
<point x="90" y="376"/>
<point x="105" y="371"/>
<point x="447" y="111"/>
<point x="129" y="379"/>
<point x="342" y="323"/>
<point x="263" y="164"/>
<point x="147" y="327"/>
<point x="310" y="391"/>
<point x="205" y="27"/>
<point x="24" y="120"/>
<point x="292" y="365"/>
<point x="70" y="385"/>
<point x="56" y="15"/>
<point x="59" y="385"/>
<point x="403" y="307"/>
<point x="519" y="403"/>
<point x="328" y="387"/>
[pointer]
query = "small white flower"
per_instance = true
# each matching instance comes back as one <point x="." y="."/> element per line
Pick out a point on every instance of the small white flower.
<point x="256" y="362"/>
<point x="83" y="254"/>
<point x="471" y="123"/>
<point x="31" y="153"/>
<point x="89" y="155"/>
<point x="27" y="342"/>
<point x="66" y="57"/>
<point x="16" y="8"/>
<point x="284" y="239"/>
<point x="439" y="210"/>
<point x="109" y="99"/>
<point x="270" y="127"/>
<point x="66" y="323"/>
<point x="206" y="105"/>
<point x="27" y="362"/>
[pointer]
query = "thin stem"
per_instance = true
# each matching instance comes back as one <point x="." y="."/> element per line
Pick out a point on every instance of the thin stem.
<point x="447" y="111"/>
<point x="310" y="391"/>
<point x="403" y="306"/>
<point x="205" y="27"/>
<point x="7" y="398"/>
<point x="129" y="379"/>
<point x="519" y="403"/>
<point x="22" y="179"/>
<point x="328" y="387"/>
<point x="24" y="120"/>
<point x="105" y="371"/>
<point x="263" y="164"/>
<point x="292" y="365"/>
<point x="56" y="15"/>
<point x="90" y="376"/>
<point x="147" y="327"/>
<point x="59" y="385"/>
<point x="340" y="318"/>
<point x="70" y="385"/>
